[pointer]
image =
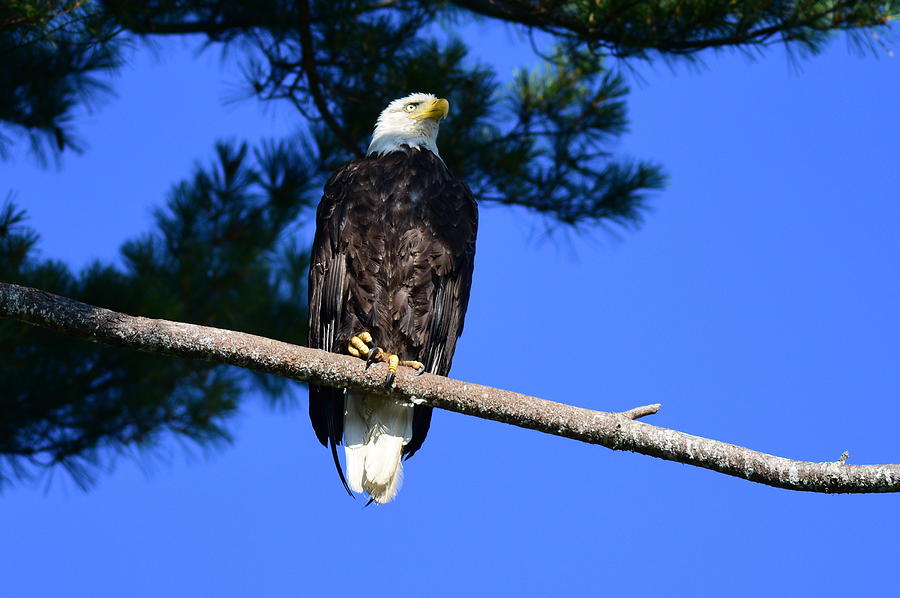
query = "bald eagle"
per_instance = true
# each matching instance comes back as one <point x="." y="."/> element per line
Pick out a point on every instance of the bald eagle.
<point x="389" y="280"/>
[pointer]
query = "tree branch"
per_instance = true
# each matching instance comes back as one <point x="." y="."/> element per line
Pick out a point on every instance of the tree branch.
<point x="788" y="20"/>
<point x="308" y="63"/>
<point x="618" y="431"/>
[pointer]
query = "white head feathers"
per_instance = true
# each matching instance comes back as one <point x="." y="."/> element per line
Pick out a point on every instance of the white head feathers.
<point x="411" y="121"/>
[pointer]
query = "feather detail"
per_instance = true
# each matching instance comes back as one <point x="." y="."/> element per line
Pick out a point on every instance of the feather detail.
<point x="375" y="431"/>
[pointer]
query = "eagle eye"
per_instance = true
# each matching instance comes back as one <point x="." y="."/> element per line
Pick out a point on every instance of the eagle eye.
<point x="411" y="107"/>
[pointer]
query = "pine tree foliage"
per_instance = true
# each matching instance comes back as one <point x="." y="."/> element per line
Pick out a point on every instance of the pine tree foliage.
<point x="221" y="254"/>
<point x="227" y="250"/>
<point x="625" y="28"/>
<point x="54" y="57"/>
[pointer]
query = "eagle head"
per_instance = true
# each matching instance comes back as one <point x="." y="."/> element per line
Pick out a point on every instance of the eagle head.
<point x="411" y="121"/>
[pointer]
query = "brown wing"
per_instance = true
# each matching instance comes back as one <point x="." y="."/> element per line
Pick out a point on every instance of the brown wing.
<point x="328" y="289"/>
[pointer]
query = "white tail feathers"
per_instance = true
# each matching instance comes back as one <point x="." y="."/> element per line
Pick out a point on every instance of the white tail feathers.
<point x="375" y="431"/>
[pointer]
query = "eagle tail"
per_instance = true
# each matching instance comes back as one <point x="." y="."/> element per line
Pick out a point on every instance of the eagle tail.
<point x="375" y="431"/>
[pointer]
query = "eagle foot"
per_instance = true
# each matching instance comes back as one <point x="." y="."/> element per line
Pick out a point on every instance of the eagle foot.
<point x="359" y="347"/>
<point x="394" y="362"/>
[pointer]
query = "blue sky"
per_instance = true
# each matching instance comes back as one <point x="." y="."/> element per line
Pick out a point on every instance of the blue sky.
<point x="758" y="304"/>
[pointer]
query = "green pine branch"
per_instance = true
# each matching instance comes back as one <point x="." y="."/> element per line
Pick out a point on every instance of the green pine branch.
<point x="222" y="254"/>
<point x="54" y="57"/>
<point x="626" y="28"/>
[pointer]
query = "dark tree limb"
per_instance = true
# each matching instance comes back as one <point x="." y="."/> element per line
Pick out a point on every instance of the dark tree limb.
<point x="618" y="431"/>
<point x="308" y="63"/>
<point x="780" y="22"/>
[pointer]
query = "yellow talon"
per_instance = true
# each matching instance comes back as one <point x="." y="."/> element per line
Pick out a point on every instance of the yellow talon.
<point x="393" y="362"/>
<point x="358" y="347"/>
<point x="416" y="365"/>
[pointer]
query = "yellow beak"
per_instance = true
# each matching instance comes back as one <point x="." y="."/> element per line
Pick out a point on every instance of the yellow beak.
<point x="435" y="110"/>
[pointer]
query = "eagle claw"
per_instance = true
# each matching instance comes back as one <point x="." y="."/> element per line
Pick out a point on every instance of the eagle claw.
<point x="374" y="354"/>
